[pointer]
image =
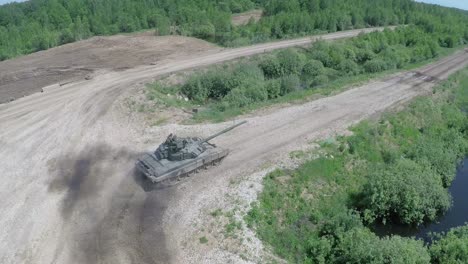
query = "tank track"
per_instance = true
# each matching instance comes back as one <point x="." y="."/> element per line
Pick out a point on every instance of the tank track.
<point x="177" y="180"/>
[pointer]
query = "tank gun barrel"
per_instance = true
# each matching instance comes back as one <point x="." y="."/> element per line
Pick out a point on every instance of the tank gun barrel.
<point x="224" y="131"/>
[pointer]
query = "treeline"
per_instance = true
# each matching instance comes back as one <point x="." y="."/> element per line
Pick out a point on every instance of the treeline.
<point x="229" y="88"/>
<point x="299" y="17"/>
<point x="40" y="24"/>
<point x="394" y="170"/>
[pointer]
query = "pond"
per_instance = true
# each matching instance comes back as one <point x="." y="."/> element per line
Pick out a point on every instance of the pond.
<point x="456" y="216"/>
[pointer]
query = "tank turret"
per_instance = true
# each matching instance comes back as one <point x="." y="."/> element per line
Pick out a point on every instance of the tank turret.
<point x="179" y="156"/>
<point x="177" y="149"/>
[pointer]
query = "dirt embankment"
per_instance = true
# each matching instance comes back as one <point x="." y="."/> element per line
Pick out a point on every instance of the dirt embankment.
<point x="28" y="74"/>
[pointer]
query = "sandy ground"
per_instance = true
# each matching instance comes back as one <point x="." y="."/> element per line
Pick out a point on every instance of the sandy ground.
<point x="68" y="190"/>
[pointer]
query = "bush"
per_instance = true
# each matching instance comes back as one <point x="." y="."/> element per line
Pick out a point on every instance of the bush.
<point x="313" y="68"/>
<point x="452" y="247"/>
<point x="245" y="73"/>
<point x="161" y="23"/>
<point x="3" y="55"/>
<point x="348" y="67"/>
<point x="195" y="89"/>
<point x="273" y="88"/>
<point x="438" y="155"/>
<point x="246" y="95"/>
<point x="360" y="245"/>
<point x="404" y="192"/>
<point x="374" y="65"/>
<point x="319" y="81"/>
<point x="271" y="67"/>
<point x="322" y="56"/>
<point x="364" y="55"/>
<point x="402" y="57"/>
<point x="291" y="61"/>
<point x="66" y="37"/>
<point x="396" y="249"/>
<point x="204" y="31"/>
<point x="290" y="83"/>
<point x="214" y="84"/>
<point x="217" y="83"/>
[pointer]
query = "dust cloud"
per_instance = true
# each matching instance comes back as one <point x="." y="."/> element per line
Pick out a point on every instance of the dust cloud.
<point x="109" y="207"/>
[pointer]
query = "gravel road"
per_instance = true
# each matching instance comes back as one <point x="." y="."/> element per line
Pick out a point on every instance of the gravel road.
<point x="68" y="190"/>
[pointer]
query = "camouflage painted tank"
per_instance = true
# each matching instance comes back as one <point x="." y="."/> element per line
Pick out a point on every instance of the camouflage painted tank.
<point x="178" y="157"/>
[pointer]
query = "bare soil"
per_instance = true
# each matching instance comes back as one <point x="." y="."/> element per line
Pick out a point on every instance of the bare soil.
<point x="72" y="62"/>
<point x="69" y="192"/>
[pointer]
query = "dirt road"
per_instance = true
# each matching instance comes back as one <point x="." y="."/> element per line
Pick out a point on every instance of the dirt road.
<point x="68" y="191"/>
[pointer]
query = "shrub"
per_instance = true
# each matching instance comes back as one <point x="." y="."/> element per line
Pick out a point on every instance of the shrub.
<point x="437" y="154"/>
<point x="66" y="37"/>
<point x="245" y="73"/>
<point x="273" y="88"/>
<point x="291" y="61"/>
<point x="336" y="55"/>
<point x="218" y="83"/>
<point x="350" y="54"/>
<point x="322" y="56"/>
<point x="161" y="23"/>
<point x="452" y="247"/>
<point x="195" y="89"/>
<point x="271" y="67"/>
<point x="402" y="57"/>
<point x="290" y="83"/>
<point x="214" y="84"/>
<point x="319" y="80"/>
<point x="246" y="95"/>
<point x="313" y="68"/>
<point x="204" y="31"/>
<point x="364" y="55"/>
<point x="360" y="245"/>
<point x="374" y="65"/>
<point x="405" y="192"/>
<point x="3" y="55"/>
<point x="396" y="249"/>
<point x="348" y="67"/>
<point x="237" y="98"/>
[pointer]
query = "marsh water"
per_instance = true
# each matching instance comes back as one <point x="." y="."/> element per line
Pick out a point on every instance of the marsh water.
<point x="456" y="216"/>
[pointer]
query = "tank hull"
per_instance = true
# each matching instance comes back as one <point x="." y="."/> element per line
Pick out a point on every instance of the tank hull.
<point x="162" y="170"/>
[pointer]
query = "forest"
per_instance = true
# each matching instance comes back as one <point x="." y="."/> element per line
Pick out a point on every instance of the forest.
<point x="41" y="24"/>
<point x="394" y="170"/>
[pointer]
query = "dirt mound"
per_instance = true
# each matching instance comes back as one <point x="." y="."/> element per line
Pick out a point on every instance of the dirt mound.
<point x="28" y="74"/>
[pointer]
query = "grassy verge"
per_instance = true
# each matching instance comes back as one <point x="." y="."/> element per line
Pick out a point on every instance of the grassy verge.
<point x="294" y="75"/>
<point x="396" y="169"/>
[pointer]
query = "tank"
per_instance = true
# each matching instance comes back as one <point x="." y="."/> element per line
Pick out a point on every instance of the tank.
<point x="178" y="157"/>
